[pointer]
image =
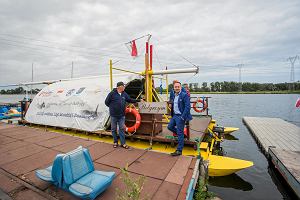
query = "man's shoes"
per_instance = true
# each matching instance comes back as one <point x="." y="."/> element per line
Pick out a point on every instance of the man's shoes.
<point x="176" y="153"/>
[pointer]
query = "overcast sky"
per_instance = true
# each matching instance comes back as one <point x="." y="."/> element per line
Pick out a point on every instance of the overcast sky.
<point x="214" y="35"/>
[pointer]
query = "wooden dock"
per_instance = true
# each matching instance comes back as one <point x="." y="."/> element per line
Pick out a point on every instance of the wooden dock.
<point x="197" y="131"/>
<point x="280" y="142"/>
<point x="25" y="149"/>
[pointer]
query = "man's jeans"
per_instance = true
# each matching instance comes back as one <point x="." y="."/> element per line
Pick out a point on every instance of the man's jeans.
<point x="120" y="121"/>
<point x="179" y="123"/>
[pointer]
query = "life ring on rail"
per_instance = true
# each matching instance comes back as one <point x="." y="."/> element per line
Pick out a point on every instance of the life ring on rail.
<point x="137" y="120"/>
<point x="202" y="102"/>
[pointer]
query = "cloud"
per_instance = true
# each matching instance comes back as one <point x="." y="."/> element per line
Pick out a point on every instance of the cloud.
<point x="211" y="34"/>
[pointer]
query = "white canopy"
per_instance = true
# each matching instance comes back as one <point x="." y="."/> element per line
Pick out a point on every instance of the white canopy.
<point x="75" y="104"/>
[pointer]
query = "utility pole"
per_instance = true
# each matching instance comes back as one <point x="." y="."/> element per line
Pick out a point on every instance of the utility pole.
<point x="72" y="70"/>
<point x="240" y="76"/>
<point x="31" y="80"/>
<point x="292" y="74"/>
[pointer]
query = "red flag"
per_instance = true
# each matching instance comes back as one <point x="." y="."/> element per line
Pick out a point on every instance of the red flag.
<point x="298" y="103"/>
<point x="133" y="49"/>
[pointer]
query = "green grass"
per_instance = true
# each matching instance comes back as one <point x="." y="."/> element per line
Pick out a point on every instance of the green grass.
<point x="201" y="192"/>
<point x="133" y="187"/>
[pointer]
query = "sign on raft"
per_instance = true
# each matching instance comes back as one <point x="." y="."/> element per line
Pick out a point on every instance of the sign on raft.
<point x="77" y="104"/>
<point x="153" y="107"/>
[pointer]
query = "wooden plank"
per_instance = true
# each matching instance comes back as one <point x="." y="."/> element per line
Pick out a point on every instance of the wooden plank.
<point x="179" y="170"/>
<point x="288" y="164"/>
<point x="274" y="132"/>
<point x="280" y="142"/>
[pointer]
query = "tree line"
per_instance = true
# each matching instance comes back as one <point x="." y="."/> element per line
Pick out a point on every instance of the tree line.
<point x="231" y="86"/>
<point x="225" y="86"/>
<point x="19" y="90"/>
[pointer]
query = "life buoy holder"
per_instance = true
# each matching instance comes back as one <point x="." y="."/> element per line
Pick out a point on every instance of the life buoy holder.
<point x="203" y="102"/>
<point x="137" y="124"/>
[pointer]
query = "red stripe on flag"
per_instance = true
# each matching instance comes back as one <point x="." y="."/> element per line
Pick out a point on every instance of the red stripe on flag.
<point x="133" y="49"/>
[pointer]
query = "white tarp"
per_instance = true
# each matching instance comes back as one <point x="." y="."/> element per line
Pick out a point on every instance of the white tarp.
<point x="75" y="104"/>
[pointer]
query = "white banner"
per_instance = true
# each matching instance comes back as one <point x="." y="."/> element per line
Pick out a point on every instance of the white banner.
<point x="75" y="104"/>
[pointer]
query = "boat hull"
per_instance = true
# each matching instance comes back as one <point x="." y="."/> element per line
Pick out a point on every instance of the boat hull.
<point x="228" y="130"/>
<point x="223" y="166"/>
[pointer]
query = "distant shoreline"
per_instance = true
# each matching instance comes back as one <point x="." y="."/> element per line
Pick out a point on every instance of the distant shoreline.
<point x="257" y="92"/>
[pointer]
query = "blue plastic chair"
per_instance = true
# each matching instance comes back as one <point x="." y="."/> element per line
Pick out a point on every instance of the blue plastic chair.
<point x="53" y="173"/>
<point x="81" y="178"/>
<point x="74" y="172"/>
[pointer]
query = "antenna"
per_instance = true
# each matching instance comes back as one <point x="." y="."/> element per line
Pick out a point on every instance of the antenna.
<point x="292" y="74"/>
<point x="31" y="80"/>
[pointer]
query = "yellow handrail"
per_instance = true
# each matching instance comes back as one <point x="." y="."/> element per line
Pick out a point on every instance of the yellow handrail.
<point x="124" y="70"/>
<point x="139" y="94"/>
<point x="157" y="94"/>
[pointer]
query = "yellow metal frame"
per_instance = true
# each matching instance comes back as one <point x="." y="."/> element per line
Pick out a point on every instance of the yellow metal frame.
<point x="125" y="70"/>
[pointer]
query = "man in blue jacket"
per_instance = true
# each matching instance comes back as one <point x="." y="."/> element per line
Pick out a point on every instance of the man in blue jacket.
<point x="116" y="101"/>
<point x="172" y="93"/>
<point x="180" y="112"/>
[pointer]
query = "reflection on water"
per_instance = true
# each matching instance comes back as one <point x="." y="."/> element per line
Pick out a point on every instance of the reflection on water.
<point x="281" y="183"/>
<point x="231" y="181"/>
<point x="230" y="137"/>
<point x="228" y="110"/>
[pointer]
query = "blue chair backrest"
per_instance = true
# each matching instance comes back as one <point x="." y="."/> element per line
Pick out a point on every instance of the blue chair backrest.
<point x="57" y="171"/>
<point x="77" y="164"/>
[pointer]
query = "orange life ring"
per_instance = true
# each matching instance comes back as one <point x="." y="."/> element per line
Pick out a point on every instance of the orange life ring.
<point x="137" y="120"/>
<point x="203" y="103"/>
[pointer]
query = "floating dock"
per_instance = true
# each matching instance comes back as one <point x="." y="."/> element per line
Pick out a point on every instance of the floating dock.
<point x="25" y="149"/>
<point x="280" y="142"/>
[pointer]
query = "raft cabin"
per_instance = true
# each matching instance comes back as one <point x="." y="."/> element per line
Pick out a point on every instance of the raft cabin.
<point x="78" y="105"/>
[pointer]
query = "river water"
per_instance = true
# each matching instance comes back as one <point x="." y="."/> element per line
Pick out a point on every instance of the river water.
<point x="259" y="181"/>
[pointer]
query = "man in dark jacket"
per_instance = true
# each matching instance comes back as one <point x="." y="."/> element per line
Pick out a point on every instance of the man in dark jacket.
<point x="180" y="112"/>
<point x="116" y="101"/>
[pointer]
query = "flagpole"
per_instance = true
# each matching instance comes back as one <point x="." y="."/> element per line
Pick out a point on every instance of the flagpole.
<point x="146" y="73"/>
<point x="149" y="35"/>
<point x="167" y="83"/>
